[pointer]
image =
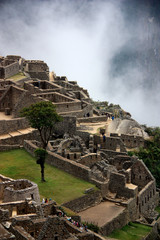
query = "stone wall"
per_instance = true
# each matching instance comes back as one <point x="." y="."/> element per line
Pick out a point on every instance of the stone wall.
<point x="85" y="137"/>
<point x="130" y="141"/>
<point x="92" y="119"/>
<point x="116" y="223"/>
<point x="16" y="191"/>
<point x="148" y="199"/>
<point x="68" y="106"/>
<point x="11" y="70"/>
<point x="132" y="209"/>
<point x="84" y="202"/>
<point x="41" y="86"/>
<point x="89" y="159"/>
<point x="111" y="153"/>
<point x="48" y="208"/>
<point x="5" y="83"/>
<point x="110" y="143"/>
<point x="119" y="160"/>
<point x="87" y="109"/>
<point x="11" y="125"/>
<point x="20" y="207"/>
<point x="64" y="164"/>
<point x="140" y="174"/>
<point x="10" y="98"/>
<point x="25" y="100"/>
<point x="55" y="97"/>
<point x="117" y="184"/>
<point x="68" y="125"/>
<point x="4" y="215"/>
<point x="8" y="147"/>
<point x="19" y="139"/>
<point x="35" y="66"/>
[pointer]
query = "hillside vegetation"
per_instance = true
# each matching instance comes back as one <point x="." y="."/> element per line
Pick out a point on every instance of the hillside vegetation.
<point x="150" y="154"/>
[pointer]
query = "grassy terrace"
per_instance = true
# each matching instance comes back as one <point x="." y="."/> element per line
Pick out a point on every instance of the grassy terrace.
<point x="17" y="76"/>
<point x="59" y="185"/>
<point x="132" y="231"/>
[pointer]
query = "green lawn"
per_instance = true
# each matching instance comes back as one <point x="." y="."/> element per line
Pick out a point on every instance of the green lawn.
<point x="59" y="185"/>
<point x="17" y="76"/>
<point x="132" y="231"/>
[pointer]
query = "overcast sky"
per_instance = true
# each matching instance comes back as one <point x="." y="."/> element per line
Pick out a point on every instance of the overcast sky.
<point x="109" y="47"/>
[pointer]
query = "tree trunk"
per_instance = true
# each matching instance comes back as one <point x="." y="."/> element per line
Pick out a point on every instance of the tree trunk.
<point x="42" y="173"/>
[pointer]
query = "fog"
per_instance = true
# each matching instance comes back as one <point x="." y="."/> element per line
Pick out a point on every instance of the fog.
<point x="108" y="47"/>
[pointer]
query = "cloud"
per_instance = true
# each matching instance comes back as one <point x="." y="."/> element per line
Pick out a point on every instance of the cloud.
<point x="94" y="42"/>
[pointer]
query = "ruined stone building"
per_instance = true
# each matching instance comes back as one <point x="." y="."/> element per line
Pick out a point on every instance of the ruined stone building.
<point x="9" y="66"/>
<point x="122" y="180"/>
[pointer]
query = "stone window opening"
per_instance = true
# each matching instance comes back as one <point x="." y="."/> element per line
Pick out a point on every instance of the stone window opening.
<point x="142" y="203"/>
<point x="140" y="208"/>
<point x="145" y="200"/>
<point x="32" y="196"/>
<point x="153" y="192"/>
<point x="14" y="211"/>
<point x="139" y="176"/>
<point x="150" y="194"/>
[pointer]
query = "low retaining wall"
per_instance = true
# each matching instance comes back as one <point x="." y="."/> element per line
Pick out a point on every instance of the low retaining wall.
<point x="8" y="147"/>
<point x="116" y="223"/>
<point x="20" y="138"/>
<point x="92" y="119"/>
<point x="11" y="125"/>
<point x="64" y="164"/>
<point x="84" y="202"/>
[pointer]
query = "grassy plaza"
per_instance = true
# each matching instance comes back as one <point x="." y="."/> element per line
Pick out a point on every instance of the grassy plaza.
<point x="60" y="186"/>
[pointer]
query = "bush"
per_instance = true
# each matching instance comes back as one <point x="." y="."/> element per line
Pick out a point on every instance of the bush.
<point x="92" y="227"/>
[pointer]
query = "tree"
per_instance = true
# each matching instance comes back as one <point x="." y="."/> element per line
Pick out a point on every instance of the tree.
<point x="42" y="116"/>
<point x="41" y="155"/>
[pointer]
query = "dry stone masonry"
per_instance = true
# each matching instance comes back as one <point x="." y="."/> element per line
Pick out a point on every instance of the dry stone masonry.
<point x="122" y="181"/>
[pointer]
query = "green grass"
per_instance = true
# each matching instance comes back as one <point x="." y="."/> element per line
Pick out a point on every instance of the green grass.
<point x="17" y="76"/>
<point x="158" y="209"/>
<point x="59" y="185"/>
<point x="132" y="231"/>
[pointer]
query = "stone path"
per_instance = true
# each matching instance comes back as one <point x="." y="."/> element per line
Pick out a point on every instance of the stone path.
<point x="5" y="117"/>
<point x="102" y="213"/>
<point x="16" y="133"/>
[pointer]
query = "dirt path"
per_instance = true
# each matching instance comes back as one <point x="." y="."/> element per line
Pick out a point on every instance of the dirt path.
<point x="102" y="213"/>
<point x="93" y="128"/>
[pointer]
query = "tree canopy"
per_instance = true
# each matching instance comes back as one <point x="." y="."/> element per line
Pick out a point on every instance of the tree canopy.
<point x="42" y="116"/>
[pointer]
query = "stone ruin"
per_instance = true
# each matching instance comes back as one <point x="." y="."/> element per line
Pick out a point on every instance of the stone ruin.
<point x="121" y="179"/>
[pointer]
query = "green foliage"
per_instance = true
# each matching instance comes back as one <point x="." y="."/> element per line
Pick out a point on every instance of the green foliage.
<point x="40" y="154"/>
<point x="18" y="76"/>
<point x="93" y="227"/>
<point x="132" y="231"/>
<point x="42" y="116"/>
<point x="151" y="153"/>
